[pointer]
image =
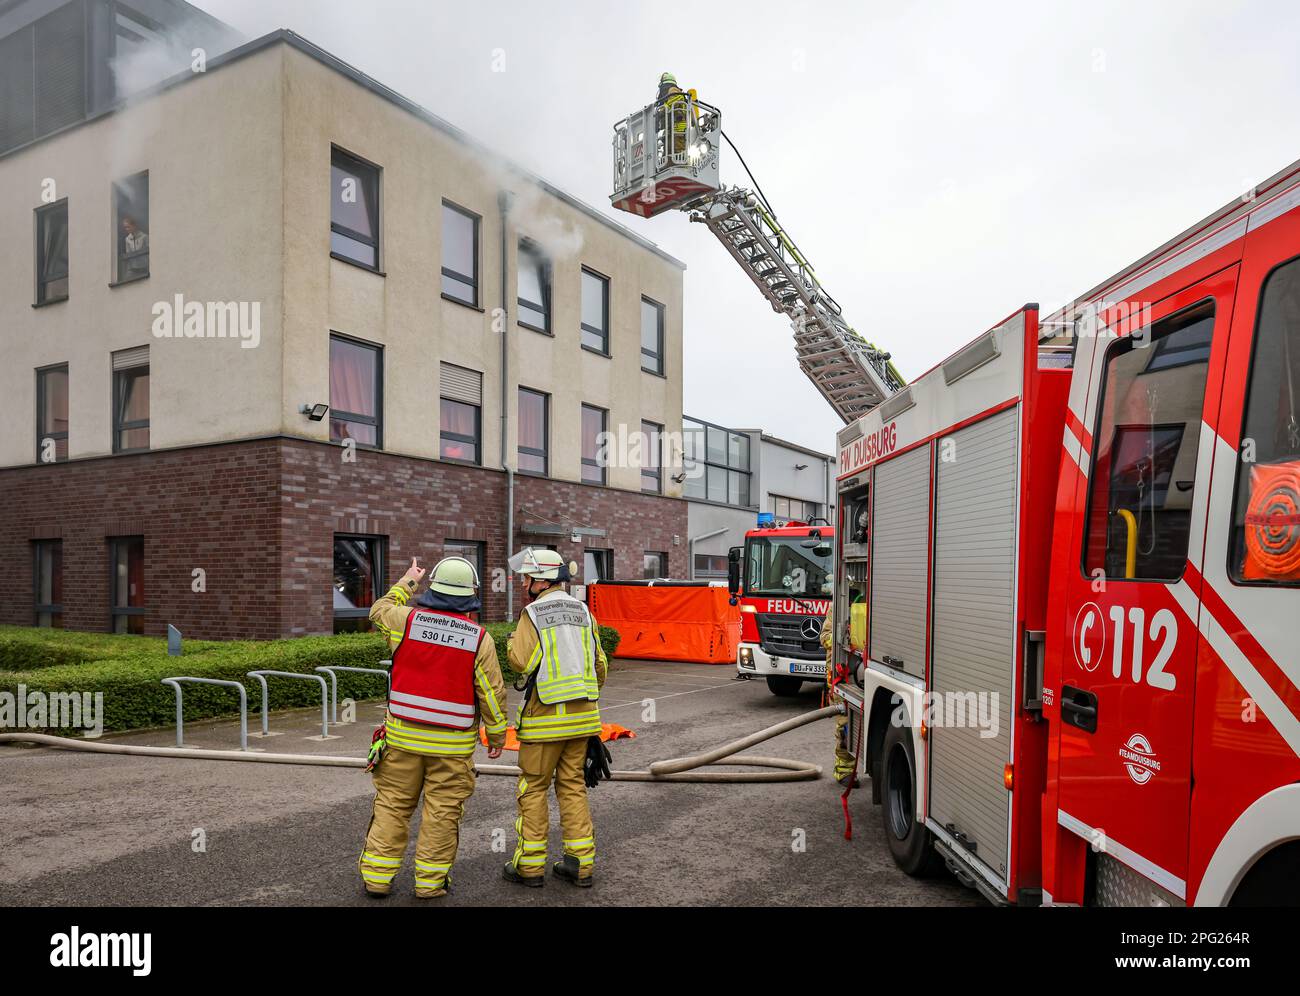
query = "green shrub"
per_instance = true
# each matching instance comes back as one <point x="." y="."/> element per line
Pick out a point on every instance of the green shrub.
<point x="129" y="670"/>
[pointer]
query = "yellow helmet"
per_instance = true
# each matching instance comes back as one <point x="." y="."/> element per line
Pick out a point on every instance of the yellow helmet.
<point x="454" y="576"/>
<point x="668" y="78"/>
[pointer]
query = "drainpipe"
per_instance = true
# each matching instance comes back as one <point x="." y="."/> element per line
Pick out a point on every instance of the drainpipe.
<point x="503" y="202"/>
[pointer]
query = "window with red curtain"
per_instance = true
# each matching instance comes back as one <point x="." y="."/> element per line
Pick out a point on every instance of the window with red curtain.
<point x="355" y="392"/>
<point x="532" y="431"/>
<point x="593" y="445"/>
<point x="460" y="431"/>
<point x="52" y="407"/>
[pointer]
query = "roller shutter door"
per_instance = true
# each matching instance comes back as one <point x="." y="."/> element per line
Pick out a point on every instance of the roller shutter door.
<point x="900" y="550"/>
<point x="974" y="641"/>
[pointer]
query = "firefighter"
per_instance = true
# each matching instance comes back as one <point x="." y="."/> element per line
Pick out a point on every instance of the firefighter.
<point x="844" y="757"/>
<point x="669" y="95"/>
<point x="445" y="681"/>
<point x="556" y="648"/>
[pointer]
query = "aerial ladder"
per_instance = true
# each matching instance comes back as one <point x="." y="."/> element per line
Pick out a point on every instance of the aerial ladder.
<point x="666" y="158"/>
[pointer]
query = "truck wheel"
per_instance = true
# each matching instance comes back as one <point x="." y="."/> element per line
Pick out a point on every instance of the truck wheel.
<point x="909" y="840"/>
<point x="784" y="687"/>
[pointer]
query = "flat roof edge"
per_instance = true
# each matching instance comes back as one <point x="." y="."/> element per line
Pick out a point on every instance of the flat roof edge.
<point x="310" y="49"/>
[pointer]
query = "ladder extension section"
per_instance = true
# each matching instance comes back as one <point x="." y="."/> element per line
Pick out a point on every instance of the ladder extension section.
<point x="851" y="374"/>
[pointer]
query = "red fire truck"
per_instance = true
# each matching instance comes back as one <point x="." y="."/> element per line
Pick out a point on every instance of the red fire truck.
<point x="781" y="579"/>
<point x="1078" y="539"/>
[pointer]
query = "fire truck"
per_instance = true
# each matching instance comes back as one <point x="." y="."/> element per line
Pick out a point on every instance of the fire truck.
<point x="781" y="579"/>
<point x="1066" y="575"/>
<point x="1078" y="538"/>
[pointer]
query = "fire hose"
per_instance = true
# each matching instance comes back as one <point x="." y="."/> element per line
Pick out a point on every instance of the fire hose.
<point x="679" y="769"/>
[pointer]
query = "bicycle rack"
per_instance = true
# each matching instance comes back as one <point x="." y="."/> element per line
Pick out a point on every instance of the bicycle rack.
<point x="175" y="683"/>
<point x="331" y="670"/>
<point x="262" y="675"/>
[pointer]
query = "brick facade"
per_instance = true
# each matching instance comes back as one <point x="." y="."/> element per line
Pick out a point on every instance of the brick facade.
<point x="259" y="518"/>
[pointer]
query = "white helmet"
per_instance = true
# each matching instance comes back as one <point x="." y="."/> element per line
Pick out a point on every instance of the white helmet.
<point x="546" y="565"/>
<point x="454" y="576"/>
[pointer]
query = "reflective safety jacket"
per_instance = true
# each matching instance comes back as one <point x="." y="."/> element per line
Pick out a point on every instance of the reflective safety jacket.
<point x="391" y="615"/>
<point x="433" y="670"/>
<point x="558" y="638"/>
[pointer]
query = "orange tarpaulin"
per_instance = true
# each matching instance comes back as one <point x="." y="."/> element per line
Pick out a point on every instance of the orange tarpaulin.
<point x="608" y="731"/>
<point x="669" y="622"/>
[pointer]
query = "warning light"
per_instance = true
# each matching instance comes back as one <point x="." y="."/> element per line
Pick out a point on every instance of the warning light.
<point x="925" y="730"/>
<point x="1008" y="776"/>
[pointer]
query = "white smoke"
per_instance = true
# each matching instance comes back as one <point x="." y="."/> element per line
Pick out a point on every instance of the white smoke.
<point x="535" y="213"/>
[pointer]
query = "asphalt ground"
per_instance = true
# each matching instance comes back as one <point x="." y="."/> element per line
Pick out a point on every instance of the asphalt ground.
<point x="83" y="829"/>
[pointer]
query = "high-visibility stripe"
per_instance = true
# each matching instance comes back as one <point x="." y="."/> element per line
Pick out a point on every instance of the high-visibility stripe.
<point x="496" y="718"/>
<point x="439" y="705"/>
<point x="431" y="716"/>
<point x="376" y="859"/>
<point x="581" y="841"/>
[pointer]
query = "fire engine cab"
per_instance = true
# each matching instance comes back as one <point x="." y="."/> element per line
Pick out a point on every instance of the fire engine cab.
<point x="781" y="578"/>
<point x="1078" y="541"/>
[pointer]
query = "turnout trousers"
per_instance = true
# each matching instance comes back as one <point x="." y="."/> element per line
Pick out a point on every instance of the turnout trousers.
<point x="541" y="763"/>
<point x="400" y="777"/>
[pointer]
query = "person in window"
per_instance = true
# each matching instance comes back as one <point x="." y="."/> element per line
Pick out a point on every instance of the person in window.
<point x="135" y="248"/>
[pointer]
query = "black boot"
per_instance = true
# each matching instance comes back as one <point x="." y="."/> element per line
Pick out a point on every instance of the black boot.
<point x="568" y="870"/>
<point x="511" y="874"/>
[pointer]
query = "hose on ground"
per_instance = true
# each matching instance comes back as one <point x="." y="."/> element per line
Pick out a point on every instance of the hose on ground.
<point x="680" y="769"/>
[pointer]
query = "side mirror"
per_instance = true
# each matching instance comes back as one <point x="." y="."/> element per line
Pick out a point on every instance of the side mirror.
<point x="733" y="572"/>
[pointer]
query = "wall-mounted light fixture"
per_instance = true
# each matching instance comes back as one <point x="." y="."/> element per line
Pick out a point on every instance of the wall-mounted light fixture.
<point x="314" y="412"/>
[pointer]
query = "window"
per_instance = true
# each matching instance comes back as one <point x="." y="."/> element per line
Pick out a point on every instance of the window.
<point x="597" y="565"/>
<point x="795" y="508"/>
<point x="652" y="336"/>
<point x="461" y="417"/>
<point x="356" y="392"/>
<point x="131" y="217"/>
<point x="354" y="210"/>
<point x="471" y="550"/>
<point x="48" y="587"/>
<point x="126" y="554"/>
<point x="716" y="463"/>
<point x="52" y="414"/>
<point x="534" y="288"/>
<point x="1265" y="534"/>
<point x="459" y="255"/>
<point x="651" y="469"/>
<point x="594" y="454"/>
<point x="52" y="253"/>
<point x="358" y="565"/>
<point x="654" y="565"/>
<point x="534" y="415"/>
<point x="131" y="400"/>
<point x="1144" y="460"/>
<point x="708" y="565"/>
<point x="595" y="311"/>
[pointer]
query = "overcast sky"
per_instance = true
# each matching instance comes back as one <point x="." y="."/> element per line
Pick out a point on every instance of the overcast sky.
<point x="940" y="164"/>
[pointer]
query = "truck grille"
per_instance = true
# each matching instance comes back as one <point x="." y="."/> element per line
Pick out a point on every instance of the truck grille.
<point x="783" y="636"/>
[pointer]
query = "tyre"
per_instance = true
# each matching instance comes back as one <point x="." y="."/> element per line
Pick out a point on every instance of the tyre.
<point x="909" y="841"/>
<point x="783" y="686"/>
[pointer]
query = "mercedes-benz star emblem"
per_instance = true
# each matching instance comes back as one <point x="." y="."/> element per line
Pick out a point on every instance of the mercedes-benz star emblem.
<point x="811" y="628"/>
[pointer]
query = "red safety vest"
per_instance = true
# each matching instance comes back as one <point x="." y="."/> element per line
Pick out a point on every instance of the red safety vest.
<point x="433" y="670"/>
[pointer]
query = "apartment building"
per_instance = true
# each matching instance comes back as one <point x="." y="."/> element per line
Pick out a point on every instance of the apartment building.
<point x="730" y="475"/>
<point x="281" y="330"/>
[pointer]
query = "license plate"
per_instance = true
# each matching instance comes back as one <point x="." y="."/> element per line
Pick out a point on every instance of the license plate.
<point x="809" y="668"/>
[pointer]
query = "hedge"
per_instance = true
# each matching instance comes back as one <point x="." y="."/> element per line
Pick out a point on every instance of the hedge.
<point x="129" y="670"/>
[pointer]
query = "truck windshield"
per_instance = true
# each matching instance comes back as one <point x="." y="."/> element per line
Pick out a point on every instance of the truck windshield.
<point x="796" y="565"/>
